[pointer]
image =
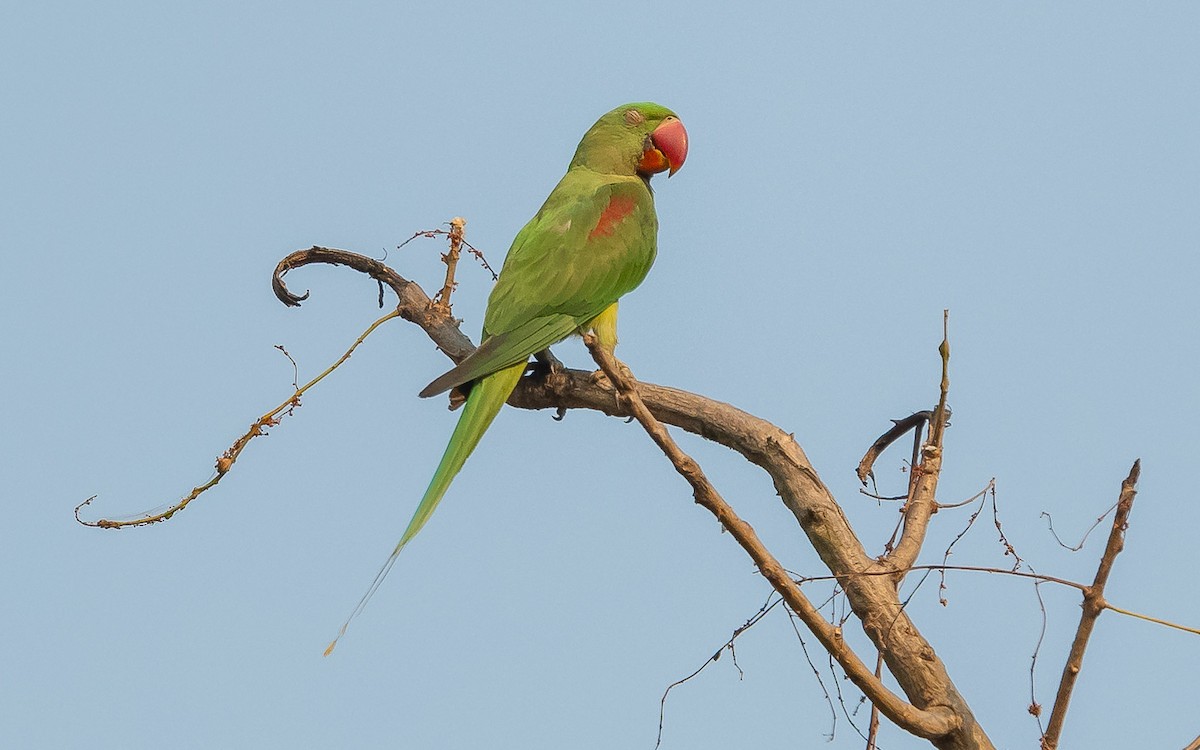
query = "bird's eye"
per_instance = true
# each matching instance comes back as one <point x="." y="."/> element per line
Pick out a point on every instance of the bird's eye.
<point x="633" y="117"/>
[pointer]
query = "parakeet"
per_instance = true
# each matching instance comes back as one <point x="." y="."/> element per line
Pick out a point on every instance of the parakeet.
<point x="593" y="240"/>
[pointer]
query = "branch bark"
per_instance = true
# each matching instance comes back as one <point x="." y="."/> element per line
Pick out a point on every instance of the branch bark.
<point x="941" y="714"/>
<point x="1093" y="605"/>
<point x="936" y="722"/>
<point x="922" y="503"/>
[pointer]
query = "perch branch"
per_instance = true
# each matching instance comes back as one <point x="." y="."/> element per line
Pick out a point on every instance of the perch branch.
<point x="1093" y="605"/>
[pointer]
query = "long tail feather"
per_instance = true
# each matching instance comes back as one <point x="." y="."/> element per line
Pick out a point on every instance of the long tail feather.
<point x="483" y="403"/>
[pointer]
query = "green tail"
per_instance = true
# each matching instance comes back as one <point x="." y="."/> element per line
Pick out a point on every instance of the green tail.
<point x="483" y="404"/>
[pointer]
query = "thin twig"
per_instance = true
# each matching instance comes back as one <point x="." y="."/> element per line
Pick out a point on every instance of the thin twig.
<point x="1093" y="605"/>
<point x="450" y="258"/>
<point x="295" y="367"/>
<point x="1037" y="578"/>
<point x="1083" y="540"/>
<point x="841" y="700"/>
<point x="816" y="673"/>
<point x="226" y="460"/>
<point x="1035" y="708"/>
<point x="430" y="233"/>
<point x="759" y="615"/>
<point x="991" y="487"/>
<point x="950" y="547"/>
<point x="1009" y="549"/>
<point x="873" y="726"/>
<point x="1148" y="618"/>
<point x="966" y="568"/>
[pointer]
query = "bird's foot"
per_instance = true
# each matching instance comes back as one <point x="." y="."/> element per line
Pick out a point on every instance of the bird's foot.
<point x="547" y="367"/>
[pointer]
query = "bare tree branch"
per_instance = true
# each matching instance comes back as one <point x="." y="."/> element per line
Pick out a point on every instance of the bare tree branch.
<point x="457" y="225"/>
<point x="412" y="303"/>
<point x="922" y="500"/>
<point x="1093" y="605"/>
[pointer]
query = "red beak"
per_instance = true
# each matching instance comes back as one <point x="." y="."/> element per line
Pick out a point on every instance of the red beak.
<point x="670" y="141"/>
<point x="670" y="137"/>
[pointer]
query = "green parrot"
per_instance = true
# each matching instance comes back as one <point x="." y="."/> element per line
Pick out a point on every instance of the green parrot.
<point x="593" y="240"/>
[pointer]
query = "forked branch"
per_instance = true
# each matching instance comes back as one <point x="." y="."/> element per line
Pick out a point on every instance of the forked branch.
<point x="922" y="494"/>
<point x="936" y="722"/>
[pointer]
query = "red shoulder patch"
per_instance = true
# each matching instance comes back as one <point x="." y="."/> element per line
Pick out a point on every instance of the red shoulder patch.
<point x="619" y="206"/>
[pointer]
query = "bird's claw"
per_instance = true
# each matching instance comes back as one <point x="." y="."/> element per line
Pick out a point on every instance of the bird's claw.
<point x="547" y="367"/>
<point x="545" y="361"/>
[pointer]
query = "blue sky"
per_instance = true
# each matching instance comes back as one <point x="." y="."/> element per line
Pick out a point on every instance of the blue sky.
<point x="854" y="169"/>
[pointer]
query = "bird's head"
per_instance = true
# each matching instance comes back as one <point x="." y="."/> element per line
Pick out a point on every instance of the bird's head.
<point x="641" y="138"/>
